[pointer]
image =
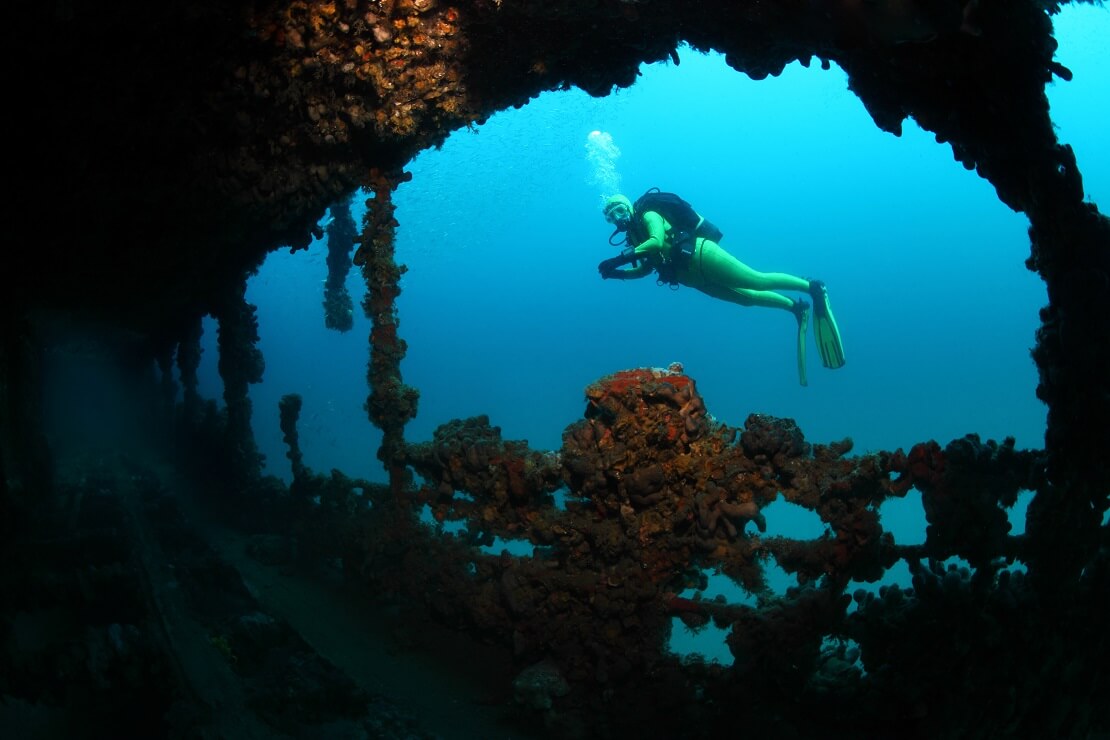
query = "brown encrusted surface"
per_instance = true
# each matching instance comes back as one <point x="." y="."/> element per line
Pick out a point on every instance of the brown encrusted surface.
<point x="167" y="149"/>
<point x="656" y="492"/>
<point x="184" y="141"/>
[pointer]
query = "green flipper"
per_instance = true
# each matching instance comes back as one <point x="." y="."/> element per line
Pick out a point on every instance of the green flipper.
<point x="801" y="312"/>
<point x="824" y="327"/>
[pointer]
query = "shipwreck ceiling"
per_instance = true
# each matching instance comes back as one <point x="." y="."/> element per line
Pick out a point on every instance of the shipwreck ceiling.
<point x="180" y="143"/>
<point x="174" y="146"/>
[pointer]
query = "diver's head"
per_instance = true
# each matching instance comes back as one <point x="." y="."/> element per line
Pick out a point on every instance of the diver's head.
<point x="618" y="211"/>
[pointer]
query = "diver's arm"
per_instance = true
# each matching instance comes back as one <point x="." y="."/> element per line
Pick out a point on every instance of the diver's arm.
<point x="631" y="273"/>
<point x="643" y="256"/>
<point x="612" y="267"/>
<point x="657" y="235"/>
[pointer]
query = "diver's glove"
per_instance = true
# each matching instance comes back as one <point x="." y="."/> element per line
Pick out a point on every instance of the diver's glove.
<point x="608" y="268"/>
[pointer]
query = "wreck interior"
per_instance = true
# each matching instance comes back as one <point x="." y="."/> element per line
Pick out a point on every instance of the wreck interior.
<point x="178" y="587"/>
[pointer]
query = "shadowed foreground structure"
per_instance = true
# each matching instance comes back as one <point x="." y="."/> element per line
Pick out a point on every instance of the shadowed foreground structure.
<point x="177" y="146"/>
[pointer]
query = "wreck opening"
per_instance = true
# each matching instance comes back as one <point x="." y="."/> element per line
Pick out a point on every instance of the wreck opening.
<point x="651" y="502"/>
<point x="478" y="227"/>
<point x="500" y="230"/>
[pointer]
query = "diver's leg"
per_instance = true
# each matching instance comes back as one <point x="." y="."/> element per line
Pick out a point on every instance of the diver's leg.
<point x="766" y="298"/>
<point x="721" y="268"/>
<point x="770" y="299"/>
<point x="743" y="297"/>
<point x="717" y="273"/>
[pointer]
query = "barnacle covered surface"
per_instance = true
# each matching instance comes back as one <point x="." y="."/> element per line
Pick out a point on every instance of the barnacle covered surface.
<point x="167" y="149"/>
<point x="657" y="492"/>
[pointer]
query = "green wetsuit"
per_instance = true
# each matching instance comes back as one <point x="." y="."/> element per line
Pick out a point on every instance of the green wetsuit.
<point x="711" y="269"/>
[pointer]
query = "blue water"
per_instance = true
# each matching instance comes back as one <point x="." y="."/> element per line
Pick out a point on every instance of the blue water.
<point x="505" y="315"/>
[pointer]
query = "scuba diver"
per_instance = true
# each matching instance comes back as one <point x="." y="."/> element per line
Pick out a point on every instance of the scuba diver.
<point x="664" y="234"/>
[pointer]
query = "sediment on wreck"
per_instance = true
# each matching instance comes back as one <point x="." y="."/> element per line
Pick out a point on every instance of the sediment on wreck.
<point x="188" y="363"/>
<point x="656" y="493"/>
<point x="341" y="234"/>
<point x="391" y="403"/>
<point x="240" y="365"/>
<point x="1071" y="249"/>
<point x="289" y="410"/>
<point x="959" y="87"/>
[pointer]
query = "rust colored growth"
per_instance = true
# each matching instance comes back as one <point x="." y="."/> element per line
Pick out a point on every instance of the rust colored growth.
<point x="610" y="570"/>
<point x="385" y="334"/>
<point x="783" y="642"/>
<point x="716" y="515"/>
<point x="704" y="492"/>
<point x="391" y="403"/>
<point x="922" y="468"/>
<point x="397" y="66"/>
<point x="636" y="443"/>
<point x="965" y="508"/>
<point x="635" y="456"/>
<point x="625" y="380"/>
<point x="858" y="550"/>
<point x="633" y="391"/>
<point x="846" y="493"/>
<point x="469" y="456"/>
<point x="772" y="439"/>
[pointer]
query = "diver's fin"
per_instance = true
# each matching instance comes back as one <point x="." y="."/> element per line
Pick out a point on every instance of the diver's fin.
<point x="801" y="312"/>
<point x="824" y="327"/>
